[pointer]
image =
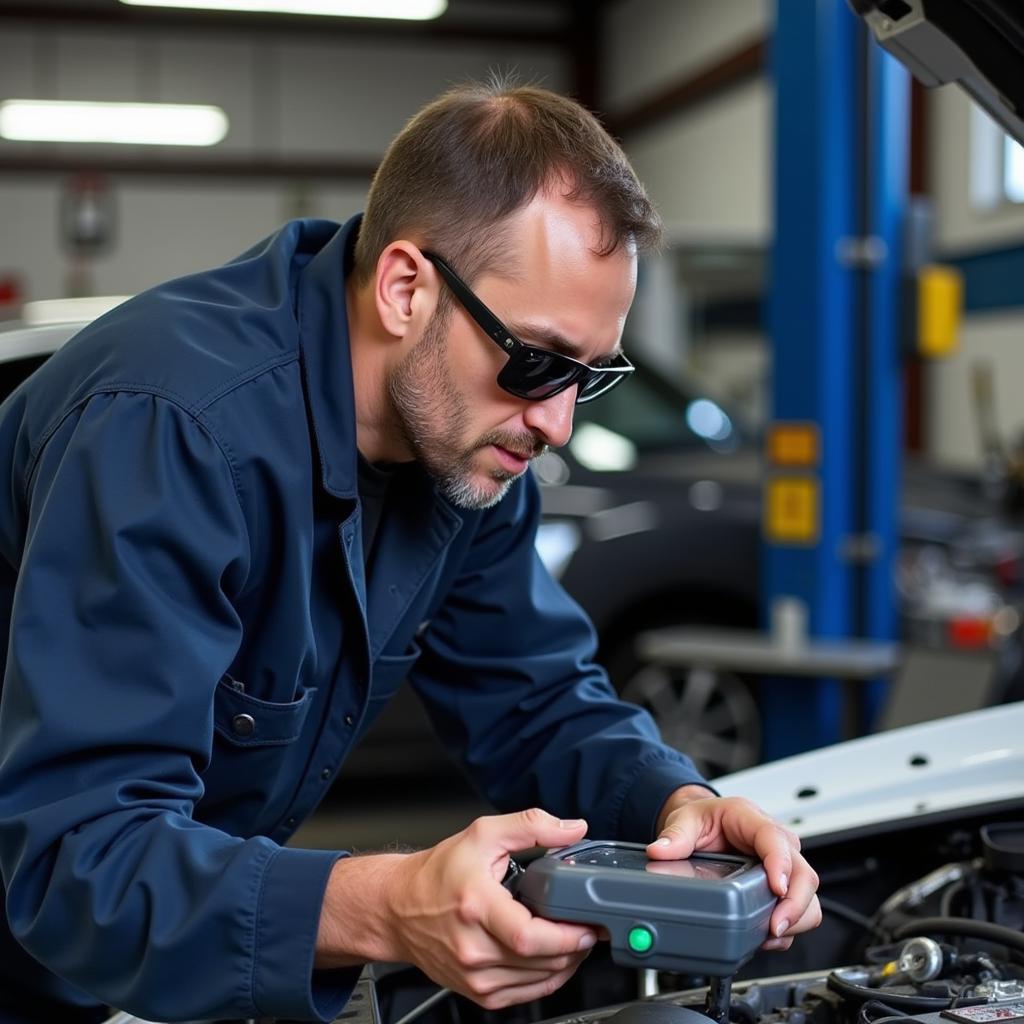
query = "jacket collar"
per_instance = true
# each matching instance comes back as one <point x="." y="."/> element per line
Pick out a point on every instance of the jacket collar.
<point x="326" y="358"/>
<point x="327" y="367"/>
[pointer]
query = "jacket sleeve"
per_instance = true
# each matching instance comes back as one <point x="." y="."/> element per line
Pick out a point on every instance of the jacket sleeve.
<point x="122" y="625"/>
<point x="508" y="677"/>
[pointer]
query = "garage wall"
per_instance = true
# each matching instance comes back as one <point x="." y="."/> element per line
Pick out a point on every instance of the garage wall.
<point x="709" y="168"/>
<point x="993" y="336"/>
<point x="288" y="98"/>
<point x="163" y="228"/>
<point x="651" y="43"/>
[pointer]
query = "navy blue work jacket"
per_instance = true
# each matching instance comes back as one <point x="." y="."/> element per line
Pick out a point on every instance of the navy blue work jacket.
<point x="180" y="545"/>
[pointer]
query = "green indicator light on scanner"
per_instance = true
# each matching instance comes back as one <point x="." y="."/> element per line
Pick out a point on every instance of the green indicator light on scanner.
<point x="640" y="940"/>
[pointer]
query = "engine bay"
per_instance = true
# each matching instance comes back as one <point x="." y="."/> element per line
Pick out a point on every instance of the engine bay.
<point x="944" y="945"/>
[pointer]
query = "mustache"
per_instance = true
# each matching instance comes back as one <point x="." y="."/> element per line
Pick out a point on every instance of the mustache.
<point x="526" y="446"/>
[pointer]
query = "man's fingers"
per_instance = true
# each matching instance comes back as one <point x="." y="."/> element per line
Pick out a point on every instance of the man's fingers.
<point x="524" y="829"/>
<point x="674" y="843"/>
<point x="791" y="917"/>
<point x="810" y="919"/>
<point x="745" y="827"/>
<point x="516" y="994"/>
<point x="678" y="838"/>
<point x="800" y="900"/>
<point x="705" y="825"/>
<point x="528" y="937"/>
<point x="492" y="980"/>
<point x="790" y="877"/>
<point x="778" y="850"/>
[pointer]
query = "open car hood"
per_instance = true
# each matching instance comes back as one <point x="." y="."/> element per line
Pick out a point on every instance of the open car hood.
<point x="939" y="769"/>
<point x="978" y="44"/>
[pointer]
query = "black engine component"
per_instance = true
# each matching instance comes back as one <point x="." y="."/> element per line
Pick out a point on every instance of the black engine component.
<point x="932" y="925"/>
<point x="950" y="943"/>
<point x="657" y="1013"/>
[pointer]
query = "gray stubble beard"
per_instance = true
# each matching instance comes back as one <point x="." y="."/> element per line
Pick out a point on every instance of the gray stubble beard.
<point x="431" y="415"/>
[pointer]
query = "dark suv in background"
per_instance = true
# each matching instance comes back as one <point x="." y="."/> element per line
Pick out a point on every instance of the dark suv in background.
<point x="652" y="518"/>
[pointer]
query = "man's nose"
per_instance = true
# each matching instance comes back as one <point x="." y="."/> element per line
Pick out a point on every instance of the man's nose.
<point x="551" y="419"/>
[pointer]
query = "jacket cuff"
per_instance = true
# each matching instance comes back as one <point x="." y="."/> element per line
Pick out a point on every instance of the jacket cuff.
<point x="653" y="785"/>
<point x="284" y="981"/>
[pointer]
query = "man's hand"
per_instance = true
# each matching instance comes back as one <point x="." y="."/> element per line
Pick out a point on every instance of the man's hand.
<point x="695" y="820"/>
<point x="445" y="910"/>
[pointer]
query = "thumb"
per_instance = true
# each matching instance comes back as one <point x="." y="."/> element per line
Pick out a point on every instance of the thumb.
<point x="533" y="827"/>
<point x="677" y="839"/>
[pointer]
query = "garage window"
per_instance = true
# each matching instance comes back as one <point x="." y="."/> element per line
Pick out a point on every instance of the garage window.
<point x="1013" y="170"/>
<point x="997" y="164"/>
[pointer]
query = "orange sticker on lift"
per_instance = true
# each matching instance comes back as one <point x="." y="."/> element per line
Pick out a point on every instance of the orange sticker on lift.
<point x="793" y="444"/>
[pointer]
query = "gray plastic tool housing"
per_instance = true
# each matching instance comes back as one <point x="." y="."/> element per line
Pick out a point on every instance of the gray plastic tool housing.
<point x="699" y="925"/>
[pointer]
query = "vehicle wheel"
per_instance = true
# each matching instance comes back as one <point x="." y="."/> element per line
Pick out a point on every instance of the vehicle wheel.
<point x="710" y="716"/>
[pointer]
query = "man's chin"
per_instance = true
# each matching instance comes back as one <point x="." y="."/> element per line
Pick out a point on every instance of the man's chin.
<point x="477" y="491"/>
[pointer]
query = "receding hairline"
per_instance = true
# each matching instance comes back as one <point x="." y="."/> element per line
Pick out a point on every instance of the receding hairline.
<point x="499" y="255"/>
<point x="484" y="151"/>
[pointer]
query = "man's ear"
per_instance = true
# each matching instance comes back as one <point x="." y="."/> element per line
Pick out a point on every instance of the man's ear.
<point x="400" y="274"/>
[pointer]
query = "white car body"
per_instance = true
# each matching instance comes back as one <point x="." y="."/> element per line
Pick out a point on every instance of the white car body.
<point x="967" y="762"/>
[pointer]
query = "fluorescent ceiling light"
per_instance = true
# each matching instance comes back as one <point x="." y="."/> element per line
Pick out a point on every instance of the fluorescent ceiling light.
<point x="149" y="124"/>
<point x="407" y="10"/>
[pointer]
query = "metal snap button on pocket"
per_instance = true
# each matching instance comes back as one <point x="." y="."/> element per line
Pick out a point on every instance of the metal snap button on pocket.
<point x="243" y="725"/>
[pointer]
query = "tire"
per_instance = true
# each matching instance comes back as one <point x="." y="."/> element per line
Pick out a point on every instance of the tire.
<point x="713" y="717"/>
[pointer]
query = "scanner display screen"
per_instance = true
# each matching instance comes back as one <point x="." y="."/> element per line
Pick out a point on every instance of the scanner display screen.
<point x="636" y="860"/>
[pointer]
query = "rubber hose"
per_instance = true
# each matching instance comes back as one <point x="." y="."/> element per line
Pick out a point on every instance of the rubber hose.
<point x="949" y="896"/>
<point x="996" y="933"/>
<point x="861" y="993"/>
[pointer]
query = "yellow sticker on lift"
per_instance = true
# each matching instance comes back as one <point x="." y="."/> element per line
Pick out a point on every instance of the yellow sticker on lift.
<point x="940" y="304"/>
<point x="791" y="510"/>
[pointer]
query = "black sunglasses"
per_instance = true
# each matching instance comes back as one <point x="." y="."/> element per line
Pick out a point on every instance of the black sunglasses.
<point x="531" y="372"/>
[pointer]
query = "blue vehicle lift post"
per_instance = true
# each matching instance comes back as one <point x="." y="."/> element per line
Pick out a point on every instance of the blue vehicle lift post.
<point x="842" y="108"/>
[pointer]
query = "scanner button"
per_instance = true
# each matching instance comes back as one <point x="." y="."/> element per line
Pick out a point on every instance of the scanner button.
<point x="640" y="939"/>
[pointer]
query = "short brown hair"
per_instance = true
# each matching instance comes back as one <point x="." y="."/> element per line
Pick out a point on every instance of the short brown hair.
<point x="477" y="154"/>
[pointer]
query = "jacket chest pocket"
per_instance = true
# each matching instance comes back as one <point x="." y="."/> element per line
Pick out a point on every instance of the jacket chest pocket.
<point x="246" y="721"/>
<point x="256" y="762"/>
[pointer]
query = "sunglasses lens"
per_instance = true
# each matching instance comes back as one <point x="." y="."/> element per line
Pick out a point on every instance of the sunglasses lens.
<point x="599" y="384"/>
<point x="536" y="374"/>
<point x="532" y="373"/>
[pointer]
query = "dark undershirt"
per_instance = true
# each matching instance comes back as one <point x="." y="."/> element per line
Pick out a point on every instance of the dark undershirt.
<point x="375" y="481"/>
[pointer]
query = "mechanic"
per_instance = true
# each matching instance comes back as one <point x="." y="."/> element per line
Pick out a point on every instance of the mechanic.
<point x="240" y="508"/>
